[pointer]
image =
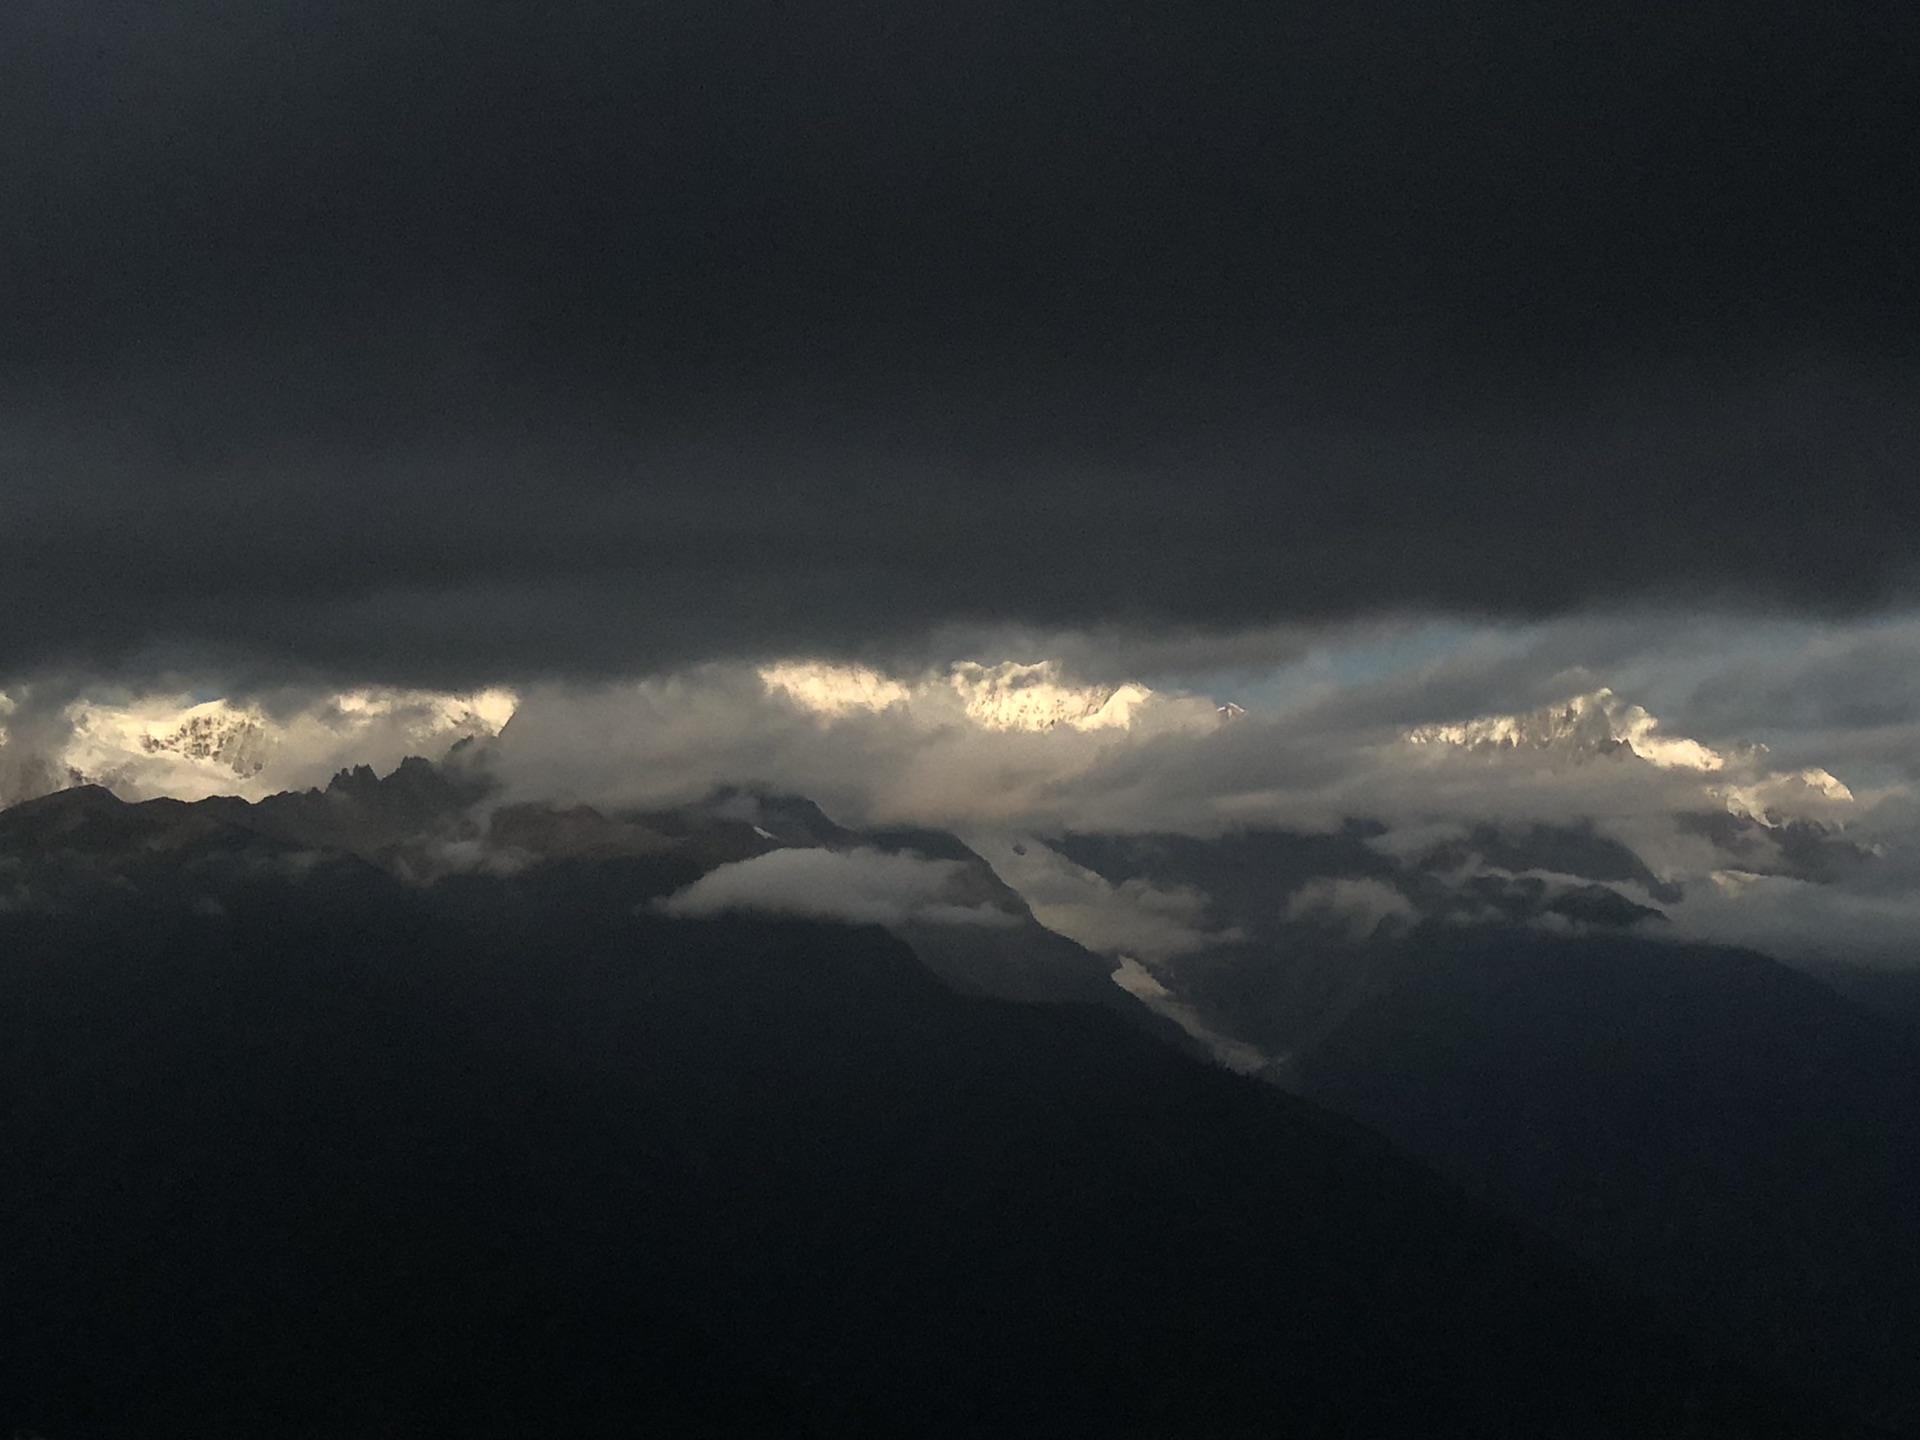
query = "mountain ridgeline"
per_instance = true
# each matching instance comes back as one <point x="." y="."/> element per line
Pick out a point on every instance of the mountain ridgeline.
<point x="1725" y="1134"/>
<point x="389" y="1110"/>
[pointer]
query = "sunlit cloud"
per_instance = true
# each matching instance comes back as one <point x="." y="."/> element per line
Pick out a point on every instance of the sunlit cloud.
<point x="863" y="886"/>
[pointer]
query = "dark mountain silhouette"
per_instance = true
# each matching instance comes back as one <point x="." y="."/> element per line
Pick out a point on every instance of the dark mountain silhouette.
<point x="295" y="1147"/>
<point x="1725" y="1133"/>
<point x="424" y="821"/>
<point x="1713" y="1128"/>
<point x="1890" y="992"/>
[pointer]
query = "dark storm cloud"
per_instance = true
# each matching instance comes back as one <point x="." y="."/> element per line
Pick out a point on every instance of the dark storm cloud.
<point x="437" y="339"/>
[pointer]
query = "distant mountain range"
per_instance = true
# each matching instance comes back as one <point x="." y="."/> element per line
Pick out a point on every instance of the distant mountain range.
<point x="1722" y="1137"/>
<point x="1504" y="1000"/>
<point x="180" y="747"/>
<point x="373" y="1109"/>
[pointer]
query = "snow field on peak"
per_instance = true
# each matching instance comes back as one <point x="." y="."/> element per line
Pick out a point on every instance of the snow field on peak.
<point x="174" y="745"/>
<point x="1602" y="724"/>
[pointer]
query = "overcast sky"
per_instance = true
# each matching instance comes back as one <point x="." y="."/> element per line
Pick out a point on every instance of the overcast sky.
<point x="445" y="343"/>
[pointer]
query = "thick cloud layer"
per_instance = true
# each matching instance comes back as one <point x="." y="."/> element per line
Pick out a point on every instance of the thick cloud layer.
<point x="878" y="750"/>
<point x="438" y="344"/>
<point x="864" y="886"/>
<point x="1755" y="781"/>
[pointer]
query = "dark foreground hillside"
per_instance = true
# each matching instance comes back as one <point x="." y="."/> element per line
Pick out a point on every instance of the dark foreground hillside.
<point x="294" y="1150"/>
<point x="1716" y="1131"/>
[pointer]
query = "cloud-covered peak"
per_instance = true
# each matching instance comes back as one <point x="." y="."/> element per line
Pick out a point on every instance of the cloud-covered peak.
<point x="833" y="690"/>
<point x="233" y="737"/>
<point x="148" y="745"/>
<point x="1425" y="731"/>
<point x="432" y="713"/>
<point x="1780" y="795"/>
<point x="1600" y="723"/>
<point x="1603" y="724"/>
<point x="1010" y="695"/>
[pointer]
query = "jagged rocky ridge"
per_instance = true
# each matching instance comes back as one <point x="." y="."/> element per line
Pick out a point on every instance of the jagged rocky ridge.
<point x="425" y="822"/>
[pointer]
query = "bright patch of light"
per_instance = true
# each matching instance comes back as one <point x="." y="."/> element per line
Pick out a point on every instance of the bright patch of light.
<point x="833" y="690"/>
<point x="1007" y="696"/>
<point x="1602" y="724"/>
<point x="1598" y="723"/>
<point x="189" y="748"/>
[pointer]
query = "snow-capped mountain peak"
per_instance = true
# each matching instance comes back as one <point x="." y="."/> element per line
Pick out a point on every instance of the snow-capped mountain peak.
<point x="1012" y="696"/>
<point x="190" y="748"/>
<point x="237" y="738"/>
<point x="1600" y="723"/>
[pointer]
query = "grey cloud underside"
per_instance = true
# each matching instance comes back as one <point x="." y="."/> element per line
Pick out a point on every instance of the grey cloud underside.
<point x="445" y="560"/>
<point x="428" y="340"/>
